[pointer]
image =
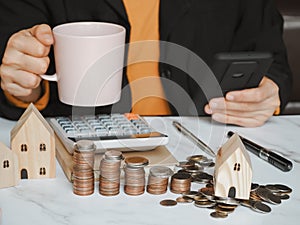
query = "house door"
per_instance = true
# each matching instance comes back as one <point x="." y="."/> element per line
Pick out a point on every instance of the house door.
<point x="232" y="192"/>
<point x="24" y="174"/>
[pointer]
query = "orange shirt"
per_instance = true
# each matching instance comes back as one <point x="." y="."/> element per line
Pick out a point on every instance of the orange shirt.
<point x="142" y="71"/>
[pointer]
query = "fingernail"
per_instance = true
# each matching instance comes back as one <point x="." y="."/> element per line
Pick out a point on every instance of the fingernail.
<point x="229" y="97"/>
<point x="208" y="110"/>
<point x="213" y="105"/>
<point x="47" y="37"/>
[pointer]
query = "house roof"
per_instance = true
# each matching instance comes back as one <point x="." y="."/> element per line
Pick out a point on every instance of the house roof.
<point x="31" y="109"/>
<point x="233" y="145"/>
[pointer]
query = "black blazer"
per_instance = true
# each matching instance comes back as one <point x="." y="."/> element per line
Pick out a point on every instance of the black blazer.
<point x="188" y="28"/>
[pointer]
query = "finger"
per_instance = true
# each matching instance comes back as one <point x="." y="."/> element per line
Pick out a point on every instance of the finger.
<point x="244" y="122"/>
<point x="25" y="42"/>
<point x="16" y="90"/>
<point x="43" y="33"/>
<point x="32" y="64"/>
<point x="207" y="109"/>
<point x="18" y="77"/>
<point x="217" y="106"/>
<point x="266" y="89"/>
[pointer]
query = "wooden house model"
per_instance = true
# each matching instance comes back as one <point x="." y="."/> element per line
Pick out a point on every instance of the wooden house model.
<point x="233" y="171"/>
<point x="32" y="139"/>
<point x="9" y="167"/>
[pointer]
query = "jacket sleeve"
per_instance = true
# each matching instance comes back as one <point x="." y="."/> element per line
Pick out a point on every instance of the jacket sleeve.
<point x="16" y="15"/>
<point x="261" y="29"/>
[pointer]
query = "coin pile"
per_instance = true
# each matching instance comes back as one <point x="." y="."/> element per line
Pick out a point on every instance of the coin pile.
<point x="158" y="180"/>
<point x="83" y="173"/>
<point x="194" y="164"/>
<point x="201" y="160"/>
<point x="135" y="175"/>
<point x="180" y="182"/>
<point x="109" y="179"/>
<point x="260" y="197"/>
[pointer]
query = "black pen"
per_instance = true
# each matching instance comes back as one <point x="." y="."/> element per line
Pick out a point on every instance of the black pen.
<point x="265" y="154"/>
<point x="196" y="140"/>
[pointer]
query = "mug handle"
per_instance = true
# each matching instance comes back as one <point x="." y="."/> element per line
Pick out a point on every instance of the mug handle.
<point x="49" y="77"/>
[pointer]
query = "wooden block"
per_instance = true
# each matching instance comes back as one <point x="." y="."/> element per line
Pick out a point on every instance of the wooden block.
<point x="233" y="171"/>
<point x="158" y="156"/>
<point x="9" y="167"/>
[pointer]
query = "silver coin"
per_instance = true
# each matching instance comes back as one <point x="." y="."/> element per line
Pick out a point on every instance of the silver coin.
<point x="279" y="188"/>
<point x="202" y="178"/>
<point x="204" y="204"/>
<point x="228" y="201"/>
<point x="161" y="171"/>
<point x="254" y="186"/>
<point x="191" y="194"/>
<point x="267" y="195"/>
<point x="260" y="207"/>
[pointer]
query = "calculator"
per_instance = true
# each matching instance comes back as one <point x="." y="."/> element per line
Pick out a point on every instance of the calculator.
<point x="123" y="132"/>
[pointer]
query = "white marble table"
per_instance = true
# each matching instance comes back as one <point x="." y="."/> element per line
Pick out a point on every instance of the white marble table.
<point x="52" y="202"/>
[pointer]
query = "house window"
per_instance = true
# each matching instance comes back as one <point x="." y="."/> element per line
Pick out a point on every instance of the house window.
<point x="237" y="167"/>
<point x="43" y="171"/>
<point x="23" y="148"/>
<point x="5" y="164"/>
<point x="42" y="147"/>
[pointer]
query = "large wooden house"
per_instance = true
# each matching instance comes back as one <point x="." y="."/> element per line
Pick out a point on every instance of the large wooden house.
<point x="9" y="167"/>
<point x="32" y="139"/>
<point x="233" y="170"/>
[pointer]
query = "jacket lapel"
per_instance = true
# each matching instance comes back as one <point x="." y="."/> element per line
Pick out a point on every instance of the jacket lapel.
<point x="170" y="13"/>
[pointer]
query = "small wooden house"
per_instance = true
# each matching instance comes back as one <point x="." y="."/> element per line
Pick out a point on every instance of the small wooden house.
<point x="9" y="167"/>
<point x="233" y="170"/>
<point x="32" y="139"/>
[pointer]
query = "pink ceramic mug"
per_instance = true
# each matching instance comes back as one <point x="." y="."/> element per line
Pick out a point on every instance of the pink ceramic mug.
<point x="89" y="59"/>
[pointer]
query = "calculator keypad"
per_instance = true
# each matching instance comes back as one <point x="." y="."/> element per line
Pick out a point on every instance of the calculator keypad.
<point x="104" y="125"/>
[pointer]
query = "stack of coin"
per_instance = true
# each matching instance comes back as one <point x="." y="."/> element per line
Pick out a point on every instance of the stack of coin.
<point x="135" y="175"/>
<point x="83" y="173"/>
<point x="84" y="153"/>
<point x="109" y="180"/>
<point x="158" y="180"/>
<point x="180" y="183"/>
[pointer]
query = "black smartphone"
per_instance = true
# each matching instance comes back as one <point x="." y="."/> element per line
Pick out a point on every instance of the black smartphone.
<point x="241" y="70"/>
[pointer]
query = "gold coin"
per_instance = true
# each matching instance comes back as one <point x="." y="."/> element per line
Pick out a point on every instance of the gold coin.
<point x="184" y="199"/>
<point x="136" y="161"/>
<point x="218" y="214"/>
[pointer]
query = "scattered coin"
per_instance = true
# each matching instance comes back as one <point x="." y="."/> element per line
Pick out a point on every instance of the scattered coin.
<point x="260" y="207"/>
<point x="205" y="204"/>
<point x="190" y="194"/>
<point x="184" y="199"/>
<point x="279" y="188"/>
<point x="218" y="214"/>
<point x="202" y="178"/>
<point x="168" y="202"/>
<point x="284" y="197"/>
<point x="254" y="186"/>
<point x="268" y="196"/>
